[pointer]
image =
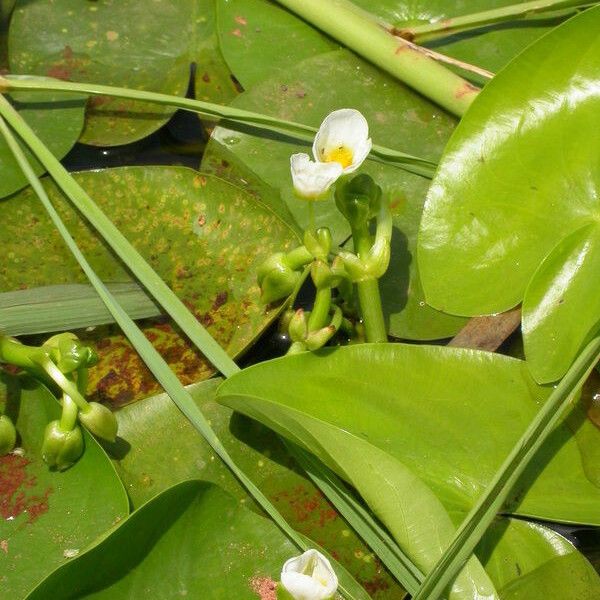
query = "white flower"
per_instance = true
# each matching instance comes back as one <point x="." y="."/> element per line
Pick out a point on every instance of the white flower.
<point x="343" y="138"/>
<point x="312" y="179"/>
<point x="309" y="577"/>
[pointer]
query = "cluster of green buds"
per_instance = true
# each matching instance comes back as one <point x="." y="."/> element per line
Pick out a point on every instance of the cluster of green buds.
<point x="340" y="147"/>
<point x="65" y="360"/>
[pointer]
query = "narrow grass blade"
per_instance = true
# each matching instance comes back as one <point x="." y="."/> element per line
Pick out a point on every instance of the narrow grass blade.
<point x="122" y="248"/>
<point x="500" y="488"/>
<point x="70" y="306"/>
<point x="232" y="116"/>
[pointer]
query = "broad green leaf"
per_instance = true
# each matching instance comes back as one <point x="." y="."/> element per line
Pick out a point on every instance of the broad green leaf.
<point x="398" y="118"/>
<point x="490" y="47"/>
<point x="518" y="175"/>
<point x="191" y="540"/>
<point x="131" y="43"/>
<point x="450" y="415"/>
<point x="213" y="81"/>
<point x="47" y="517"/>
<point x="259" y="39"/>
<point x="527" y="560"/>
<point x="55" y="117"/>
<point x="159" y="448"/>
<point x="560" y="309"/>
<point x="204" y="237"/>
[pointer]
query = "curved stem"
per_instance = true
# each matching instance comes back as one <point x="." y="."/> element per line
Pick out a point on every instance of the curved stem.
<point x="66" y="385"/>
<point x="68" y="417"/>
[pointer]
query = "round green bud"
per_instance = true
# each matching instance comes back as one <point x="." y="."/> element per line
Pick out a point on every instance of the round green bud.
<point x="99" y="420"/>
<point x="276" y="279"/>
<point x="8" y="435"/>
<point x="61" y="448"/>
<point x="298" y="327"/>
<point x="69" y="353"/>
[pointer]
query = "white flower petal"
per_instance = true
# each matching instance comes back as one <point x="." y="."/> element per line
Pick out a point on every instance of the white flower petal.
<point x="309" y="577"/>
<point x="312" y="179"/>
<point x="343" y="136"/>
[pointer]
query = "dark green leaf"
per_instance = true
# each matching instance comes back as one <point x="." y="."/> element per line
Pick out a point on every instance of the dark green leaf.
<point x="132" y="44"/>
<point x="48" y="517"/>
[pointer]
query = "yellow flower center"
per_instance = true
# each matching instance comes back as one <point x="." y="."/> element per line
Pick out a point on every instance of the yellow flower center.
<point x="340" y="155"/>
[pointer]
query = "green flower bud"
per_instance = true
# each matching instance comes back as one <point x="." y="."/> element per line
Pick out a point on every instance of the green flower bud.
<point x="276" y="279"/>
<point x="8" y="435"/>
<point x="322" y="275"/>
<point x="318" y="243"/>
<point x="61" y="448"/>
<point x="68" y="352"/>
<point x="298" y="327"/>
<point x="358" y="200"/>
<point x="99" y="420"/>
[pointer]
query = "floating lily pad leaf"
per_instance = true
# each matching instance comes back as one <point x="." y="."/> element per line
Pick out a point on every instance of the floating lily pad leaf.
<point x="191" y="539"/>
<point x="519" y="174"/>
<point x="161" y="449"/>
<point x="398" y="118"/>
<point x="451" y="415"/>
<point x="132" y="44"/>
<point x="56" y="118"/>
<point x="47" y="517"/>
<point x="203" y="236"/>
<point x="527" y="560"/>
<point x="560" y="309"/>
<point x="490" y="47"/>
<point x="259" y="39"/>
<point x="213" y="81"/>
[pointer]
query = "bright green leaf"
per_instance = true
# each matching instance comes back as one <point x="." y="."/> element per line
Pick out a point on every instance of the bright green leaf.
<point x="450" y="415"/>
<point x="519" y="174"/>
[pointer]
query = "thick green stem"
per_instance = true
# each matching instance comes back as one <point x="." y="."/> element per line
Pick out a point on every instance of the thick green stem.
<point x="19" y="355"/>
<point x="68" y="417"/>
<point x="488" y="17"/>
<point x="117" y="241"/>
<point x="500" y="488"/>
<point x="298" y="258"/>
<point x="231" y="116"/>
<point x="359" y="33"/>
<point x="319" y="316"/>
<point x="369" y="297"/>
<point x="66" y="385"/>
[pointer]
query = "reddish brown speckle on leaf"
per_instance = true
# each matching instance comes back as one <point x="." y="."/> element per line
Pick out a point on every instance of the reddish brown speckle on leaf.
<point x="241" y="20"/>
<point x="464" y="89"/>
<point x="206" y="78"/>
<point x="264" y="587"/>
<point x="237" y="33"/>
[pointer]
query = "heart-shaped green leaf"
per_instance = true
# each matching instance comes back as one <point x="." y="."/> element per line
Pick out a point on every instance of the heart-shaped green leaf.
<point x="48" y="517"/>
<point x="397" y="118"/>
<point x="132" y="44"/>
<point x="259" y="39"/>
<point x="55" y="117"/>
<point x="159" y="448"/>
<point x="448" y="414"/>
<point x="204" y="237"/>
<point x="561" y="309"/>
<point x="191" y="540"/>
<point x="519" y="174"/>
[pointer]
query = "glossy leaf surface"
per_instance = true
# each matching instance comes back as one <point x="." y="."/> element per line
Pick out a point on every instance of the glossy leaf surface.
<point x="48" y="517"/>
<point x="191" y="539"/>
<point x="398" y="118"/>
<point x="57" y="120"/>
<point x="159" y="448"/>
<point x="518" y="175"/>
<point x="203" y="236"/>
<point x="450" y="415"/>
<point x="132" y="44"/>
<point x="560" y="310"/>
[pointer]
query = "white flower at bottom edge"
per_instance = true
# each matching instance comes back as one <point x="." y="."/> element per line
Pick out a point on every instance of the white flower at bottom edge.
<point x="309" y="577"/>
<point x="312" y="179"/>
<point x="343" y="138"/>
